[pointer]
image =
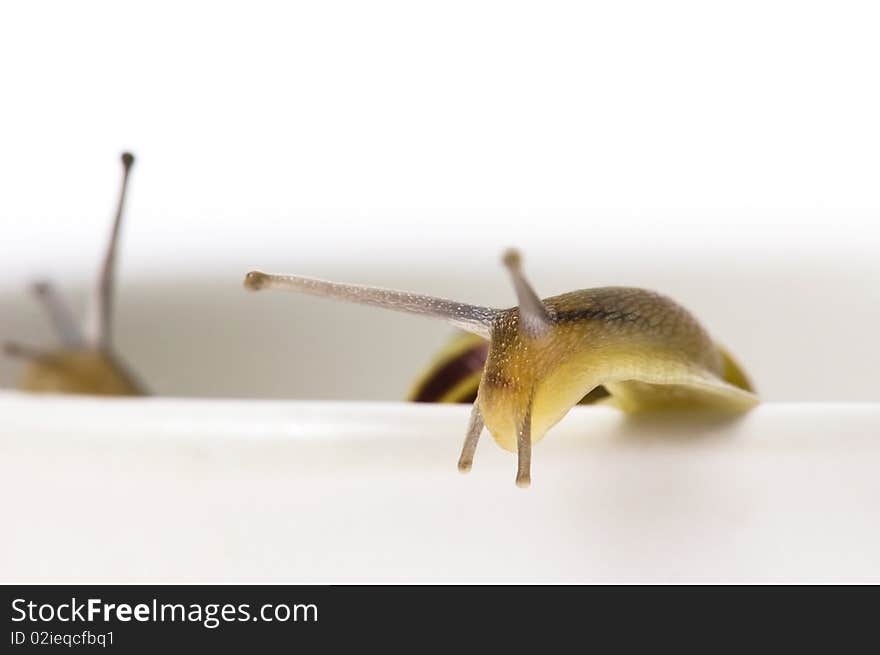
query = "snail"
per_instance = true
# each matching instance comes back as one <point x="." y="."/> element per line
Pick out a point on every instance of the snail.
<point x="86" y="362"/>
<point x="631" y="347"/>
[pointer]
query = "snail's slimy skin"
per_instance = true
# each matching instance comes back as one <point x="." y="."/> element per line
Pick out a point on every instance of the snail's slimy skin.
<point x="647" y="351"/>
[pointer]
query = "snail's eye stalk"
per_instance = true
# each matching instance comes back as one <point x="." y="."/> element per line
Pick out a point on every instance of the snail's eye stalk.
<point x="100" y="327"/>
<point x="535" y="319"/>
<point x="60" y="315"/>
<point x="255" y="280"/>
<point x="472" y="318"/>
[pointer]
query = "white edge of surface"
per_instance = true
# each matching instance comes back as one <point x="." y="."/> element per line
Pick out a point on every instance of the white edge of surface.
<point x="174" y="490"/>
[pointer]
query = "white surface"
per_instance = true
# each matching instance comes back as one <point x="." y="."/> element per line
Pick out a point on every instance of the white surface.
<point x="261" y="491"/>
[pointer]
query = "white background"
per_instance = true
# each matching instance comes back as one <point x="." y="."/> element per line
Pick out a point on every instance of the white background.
<point x="462" y="120"/>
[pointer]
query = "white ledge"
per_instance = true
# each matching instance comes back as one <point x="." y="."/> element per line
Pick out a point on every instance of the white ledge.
<point x="178" y="490"/>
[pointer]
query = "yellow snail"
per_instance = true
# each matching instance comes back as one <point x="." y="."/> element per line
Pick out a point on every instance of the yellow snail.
<point x="86" y="363"/>
<point x="544" y="356"/>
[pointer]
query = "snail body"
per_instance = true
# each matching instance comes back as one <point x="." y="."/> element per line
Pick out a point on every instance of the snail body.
<point x="79" y="371"/>
<point x="631" y="347"/>
<point x="646" y="350"/>
<point x="454" y="374"/>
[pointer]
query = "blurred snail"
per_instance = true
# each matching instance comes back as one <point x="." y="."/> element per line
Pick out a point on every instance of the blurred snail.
<point x="639" y="348"/>
<point x="86" y="362"/>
